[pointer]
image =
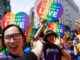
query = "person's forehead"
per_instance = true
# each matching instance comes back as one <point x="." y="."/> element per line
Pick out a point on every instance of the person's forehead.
<point x="11" y="30"/>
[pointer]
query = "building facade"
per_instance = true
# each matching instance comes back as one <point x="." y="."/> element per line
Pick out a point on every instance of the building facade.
<point x="4" y="7"/>
<point x="71" y="13"/>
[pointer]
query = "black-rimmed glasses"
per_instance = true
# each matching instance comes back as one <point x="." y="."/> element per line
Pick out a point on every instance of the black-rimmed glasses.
<point x="15" y="36"/>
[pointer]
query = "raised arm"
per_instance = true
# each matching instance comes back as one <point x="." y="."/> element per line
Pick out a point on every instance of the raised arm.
<point x="37" y="50"/>
<point x="77" y="23"/>
<point x="63" y="50"/>
<point x="40" y="29"/>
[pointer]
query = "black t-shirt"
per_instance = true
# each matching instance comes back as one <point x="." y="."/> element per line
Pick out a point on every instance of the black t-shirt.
<point x="28" y="56"/>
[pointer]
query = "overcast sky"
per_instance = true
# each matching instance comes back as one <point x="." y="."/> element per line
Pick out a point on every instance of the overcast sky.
<point x="21" y="5"/>
<point x="77" y="2"/>
<point x="25" y="5"/>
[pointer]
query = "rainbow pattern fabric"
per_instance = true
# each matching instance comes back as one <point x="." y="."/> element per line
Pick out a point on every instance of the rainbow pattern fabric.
<point x="58" y="28"/>
<point x="49" y="10"/>
<point x="21" y="19"/>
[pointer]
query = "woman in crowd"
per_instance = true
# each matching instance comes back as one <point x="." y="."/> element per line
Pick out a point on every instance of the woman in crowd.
<point x="53" y="50"/>
<point x="72" y="49"/>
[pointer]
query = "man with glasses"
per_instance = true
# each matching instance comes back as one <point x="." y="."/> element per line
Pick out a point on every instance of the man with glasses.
<point x="14" y="40"/>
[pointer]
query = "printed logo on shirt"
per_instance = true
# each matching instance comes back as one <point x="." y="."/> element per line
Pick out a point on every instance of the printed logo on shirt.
<point x="52" y="50"/>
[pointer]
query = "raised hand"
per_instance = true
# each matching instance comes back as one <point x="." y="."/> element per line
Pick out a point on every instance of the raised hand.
<point x="43" y="21"/>
<point x="77" y="23"/>
<point x="56" y="41"/>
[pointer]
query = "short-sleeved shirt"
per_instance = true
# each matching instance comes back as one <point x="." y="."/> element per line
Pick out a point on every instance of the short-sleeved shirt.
<point x="52" y="52"/>
<point x="71" y="49"/>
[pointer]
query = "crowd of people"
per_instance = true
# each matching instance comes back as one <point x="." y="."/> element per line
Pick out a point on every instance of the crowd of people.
<point x="49" y="47"/>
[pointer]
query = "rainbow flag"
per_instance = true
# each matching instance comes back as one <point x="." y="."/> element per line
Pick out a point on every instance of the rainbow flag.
<point x="58" y="28"/>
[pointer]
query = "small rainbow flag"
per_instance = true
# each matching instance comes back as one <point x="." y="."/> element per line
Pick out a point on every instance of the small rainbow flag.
<point x="58" y="28"/>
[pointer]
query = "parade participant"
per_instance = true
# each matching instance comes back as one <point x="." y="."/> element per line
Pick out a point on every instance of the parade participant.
<point x="77" y="22"/>
<point x="2" y="51"/>
<point x="1" y="48"/>
<point x="66" y="35"/>
<point x="14" y="40"/>
<point x="0" y="37"/>
<point x="78" y="46"/>
<point x="65" y="38"/>
<point x="53" y="49"/>
<point x="72" y="49"/>
<point x="0" y="40"/>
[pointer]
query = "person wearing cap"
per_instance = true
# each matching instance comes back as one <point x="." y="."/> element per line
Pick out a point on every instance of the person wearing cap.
<point x="52" y="48"/>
